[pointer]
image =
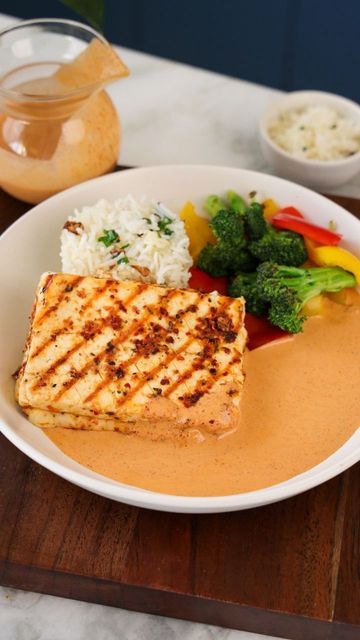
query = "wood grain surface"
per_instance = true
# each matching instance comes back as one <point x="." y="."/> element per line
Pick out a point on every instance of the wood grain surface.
<point x="291" y="569"/>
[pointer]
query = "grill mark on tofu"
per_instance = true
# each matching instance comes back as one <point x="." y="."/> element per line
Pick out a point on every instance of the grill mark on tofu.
<point x="211" y="331"/>
<point x="55" y="365"/>
<point x="148" y="375"/>
<point x="149" y="345"/>
<point x="98" y="293"/>
<point x="176" y="345"/>
<point x="61" y="297"/>
<point x="205" y="384"/>
<point x="98" y="357"/>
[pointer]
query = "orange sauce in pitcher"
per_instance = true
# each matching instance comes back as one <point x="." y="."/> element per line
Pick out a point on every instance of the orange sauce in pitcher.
<point x="58" y="127"/>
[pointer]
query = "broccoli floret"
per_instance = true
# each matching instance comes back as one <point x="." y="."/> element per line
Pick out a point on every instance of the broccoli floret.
<point x="237" y="203"/>
<point x="228" y="227"/>
<point x="255" y="223"/>
<point x="230" y="254"/>
<point x="211" y="260"/>
<point x="282" y="247"/>
<point x="213" y="204"/>
<point x="225" y="259"/>
<point x="242" y="260"/>
<point x="287" y="289"/>
<point x="245" y="284"/>
<point x="268" y="244"/>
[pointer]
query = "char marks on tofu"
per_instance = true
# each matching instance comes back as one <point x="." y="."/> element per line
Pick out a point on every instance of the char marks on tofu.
<point x="129" y="356"/>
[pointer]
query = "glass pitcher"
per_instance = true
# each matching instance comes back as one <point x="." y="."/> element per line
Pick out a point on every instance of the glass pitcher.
<point x="58" y="126"/>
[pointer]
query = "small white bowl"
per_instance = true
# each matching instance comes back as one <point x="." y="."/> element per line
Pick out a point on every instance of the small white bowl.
<point x="323" y="174"/>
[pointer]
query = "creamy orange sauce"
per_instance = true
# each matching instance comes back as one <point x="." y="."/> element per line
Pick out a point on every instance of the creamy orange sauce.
<point x="301" y="402"/>
<point x="71" y="135"/>
<point x="61" y="153"/>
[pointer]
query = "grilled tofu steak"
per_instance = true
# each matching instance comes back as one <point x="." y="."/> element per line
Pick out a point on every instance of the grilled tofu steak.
<point x="132" y="357"/>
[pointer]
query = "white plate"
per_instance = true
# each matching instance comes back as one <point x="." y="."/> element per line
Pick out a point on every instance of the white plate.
<point x="31" y="246"/>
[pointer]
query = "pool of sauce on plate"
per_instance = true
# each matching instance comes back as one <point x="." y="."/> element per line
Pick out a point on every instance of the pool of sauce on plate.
<point x="301" y="402"/>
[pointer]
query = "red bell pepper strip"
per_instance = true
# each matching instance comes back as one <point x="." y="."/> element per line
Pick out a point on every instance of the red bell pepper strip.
<point x="292" y="211"/>
<point x="261" y="331"/>
<point x="306" y="229"/>
<point x="203" y="282"/>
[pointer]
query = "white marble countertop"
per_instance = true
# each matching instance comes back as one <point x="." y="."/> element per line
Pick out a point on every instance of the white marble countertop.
<point x="171" y="113"/>
<point x="177" y="114"/>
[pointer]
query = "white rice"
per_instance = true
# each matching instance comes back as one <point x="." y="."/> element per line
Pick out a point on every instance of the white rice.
<point x="152" y="255"/>
<point x="316" y="133"/>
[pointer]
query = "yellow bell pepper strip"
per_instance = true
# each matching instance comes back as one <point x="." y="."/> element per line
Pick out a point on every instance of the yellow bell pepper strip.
<point x="311" y="245"/>
<point x="326" y="256"/>
<point x="270" y="208"/>
<point x="197" y="229"/>
<point x="314" y="307"/>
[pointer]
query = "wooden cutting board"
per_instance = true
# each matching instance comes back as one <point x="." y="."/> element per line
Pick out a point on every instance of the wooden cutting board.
<point x="291" y="569"/>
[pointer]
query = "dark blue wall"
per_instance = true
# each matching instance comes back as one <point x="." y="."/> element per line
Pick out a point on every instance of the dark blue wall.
<point x="289" y="44"/>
